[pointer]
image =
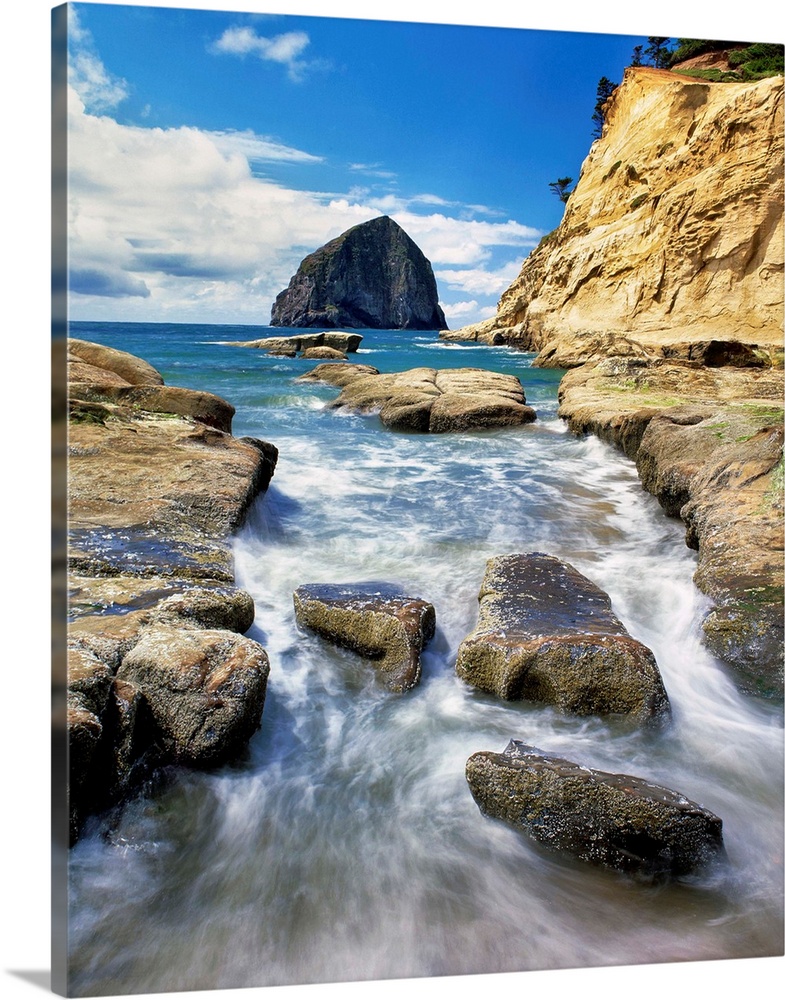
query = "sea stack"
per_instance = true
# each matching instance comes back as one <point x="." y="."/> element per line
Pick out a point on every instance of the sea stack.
<point x="373" y="276"/>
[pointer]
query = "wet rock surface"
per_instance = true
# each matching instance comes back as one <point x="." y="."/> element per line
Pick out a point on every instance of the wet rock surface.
<point x="204" y="690"/>
<point x="157" y="485"/>
<point x="548" y="634"/>
<point x="375" y="620"/>
<point x="707" y="442"/>
<point x="614" y="820"/>
<point x="429" y="400"/>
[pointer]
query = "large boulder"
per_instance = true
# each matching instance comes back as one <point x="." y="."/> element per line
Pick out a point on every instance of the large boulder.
<point x="372" y="276"/>
<point x="204" y="688"/>
<point x="203" y="407"/>
<point x="548" y="634"/>
<point x="429" y="400"/>
<point x="305" y="343"/>
<point x="614" y="820"/>
<point x="339" y="373"/>
<point x="107" y="361"/>
<point x="375" y="620"/>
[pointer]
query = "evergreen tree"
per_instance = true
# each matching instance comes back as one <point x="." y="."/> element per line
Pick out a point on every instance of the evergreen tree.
<point x="559" y="188"/>
<point x="637" y="56"/>
<point x="604" y="90"/>
<point x="658" y="52"/>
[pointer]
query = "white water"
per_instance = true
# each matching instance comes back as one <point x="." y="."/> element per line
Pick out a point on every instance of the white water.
<point x="346" y="845"/>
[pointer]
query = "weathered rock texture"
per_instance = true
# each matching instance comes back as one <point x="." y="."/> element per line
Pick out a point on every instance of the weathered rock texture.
<point x="614" y="820"/>
<point x="674" y="231"/>
<point x="375" y="620"/>
<point x="707" y="443"/>
<point x="427" y="399"/>
<point x="547" y="634"/>
<point x="157" y="485"/>
<point x="304" y="344"/>
<point x="373" y="275"/>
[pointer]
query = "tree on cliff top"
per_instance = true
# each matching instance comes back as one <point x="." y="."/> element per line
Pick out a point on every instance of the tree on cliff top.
<point x="604" y="90"/>
<point x="658" y="52"/>
<point x="559" y="188"/>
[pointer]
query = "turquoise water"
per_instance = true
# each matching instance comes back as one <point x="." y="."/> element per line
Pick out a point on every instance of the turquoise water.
<point x="345" y="844"/>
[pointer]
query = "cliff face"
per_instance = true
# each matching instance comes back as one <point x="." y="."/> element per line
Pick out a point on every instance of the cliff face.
<point x="372" y="276"/>
<point x="674" y="232"/>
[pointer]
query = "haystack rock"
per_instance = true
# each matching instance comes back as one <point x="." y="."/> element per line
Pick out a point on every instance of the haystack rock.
<point x="673" y="231"/>
<point x="372" y="276"/>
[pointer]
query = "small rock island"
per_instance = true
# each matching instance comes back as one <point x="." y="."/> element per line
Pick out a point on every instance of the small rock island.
<point x="373" y="276"/>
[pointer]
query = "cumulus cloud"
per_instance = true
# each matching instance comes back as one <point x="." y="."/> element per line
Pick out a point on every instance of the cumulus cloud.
<point x="479" y="281"/>
<point x="98" y="89"/>
<point x="284" y="49"/>
<point x="179" y="213"/>
<point x="175" y="222"/>
<point x="463" y="313"/>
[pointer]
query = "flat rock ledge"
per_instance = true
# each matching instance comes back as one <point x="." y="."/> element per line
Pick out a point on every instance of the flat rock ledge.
<point x="707" y="442"/>
<point x="613" y="820"/>
<point x="427" y="399"/>
<point x="376" y="621"/>
<point x="159" y="670"/>
<point x="305" y="344"/>
<point x="547" y="634"/>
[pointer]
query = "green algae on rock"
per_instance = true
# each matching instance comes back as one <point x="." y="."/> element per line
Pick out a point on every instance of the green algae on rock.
<point x="614" y="820"/>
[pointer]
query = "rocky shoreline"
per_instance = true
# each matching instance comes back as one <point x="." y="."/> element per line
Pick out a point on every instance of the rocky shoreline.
<point x="161" y="672"/>
<point x="707" y="442"/>
<point x="159" y="668"/>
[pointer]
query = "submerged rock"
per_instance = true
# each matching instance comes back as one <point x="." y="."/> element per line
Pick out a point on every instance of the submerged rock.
<point x="614" y="820"/>
<point x="429" y="400"/>
<point x="374" y="620"/>
<point x="372" y="276"/>
<point x="547" y="634"/>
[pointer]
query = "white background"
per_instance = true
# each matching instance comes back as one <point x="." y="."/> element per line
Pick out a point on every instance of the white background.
<point x="24" y="752"/>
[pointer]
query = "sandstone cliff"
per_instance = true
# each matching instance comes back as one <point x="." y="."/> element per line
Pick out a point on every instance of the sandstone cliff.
<point x="372" y="276"/>
<point x="673" y="233"/>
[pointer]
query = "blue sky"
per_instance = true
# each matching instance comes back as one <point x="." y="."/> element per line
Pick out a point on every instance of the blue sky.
<point x="210" y="151"/>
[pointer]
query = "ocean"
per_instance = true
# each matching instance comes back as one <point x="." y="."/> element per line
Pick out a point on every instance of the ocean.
<point x="345" y="844"/>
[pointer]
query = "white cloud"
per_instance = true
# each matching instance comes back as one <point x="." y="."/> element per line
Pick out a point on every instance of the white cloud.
<point x="284" y="49"/>
<point x="98" y="89"/>
<point x="258" y="147"/>
<point x="177" y="216"/>
<point x="173" y="223"/>
<point x="464" y="313"/>
<point x="373" y="170"/>
<point x="480" y="281"/>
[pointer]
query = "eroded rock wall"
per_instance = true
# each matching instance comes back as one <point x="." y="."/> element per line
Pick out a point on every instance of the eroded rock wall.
<point x="674" y="231"/>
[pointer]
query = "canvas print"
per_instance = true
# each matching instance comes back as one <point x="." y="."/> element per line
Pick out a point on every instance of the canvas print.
<point x="421" y="450"/>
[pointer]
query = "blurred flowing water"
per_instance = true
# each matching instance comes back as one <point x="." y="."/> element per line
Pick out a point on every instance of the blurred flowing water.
<point x="345" y="845"/>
